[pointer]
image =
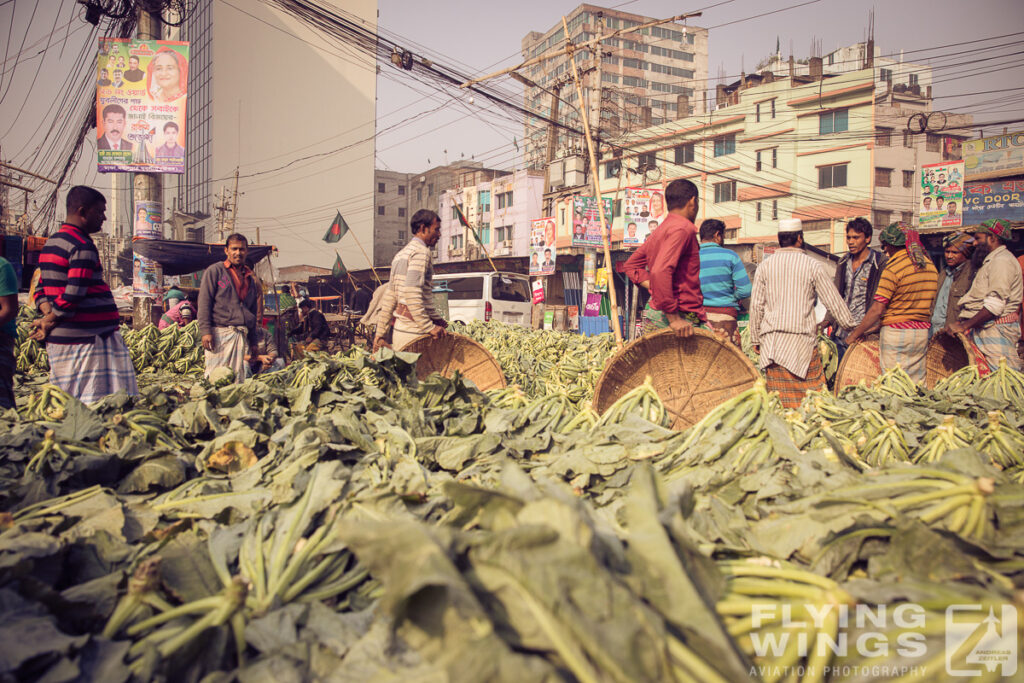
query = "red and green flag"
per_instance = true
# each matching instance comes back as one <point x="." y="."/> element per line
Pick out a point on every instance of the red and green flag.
<point x="339" y="270"/>
<point x="465" y="223"/>
<point x="337" y="230"/>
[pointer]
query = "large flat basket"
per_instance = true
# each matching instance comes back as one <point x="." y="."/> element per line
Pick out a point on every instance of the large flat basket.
<point x="453" y="352"/>
<point x="861" y="362"/>
<point x="691" y="376"/>
<point x="946" y="354"/>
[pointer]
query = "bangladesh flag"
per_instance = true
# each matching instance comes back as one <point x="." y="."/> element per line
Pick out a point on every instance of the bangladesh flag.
<point x="465" y="223"/>
<point x="337" y="230"/>
<point x="339" y="269"/>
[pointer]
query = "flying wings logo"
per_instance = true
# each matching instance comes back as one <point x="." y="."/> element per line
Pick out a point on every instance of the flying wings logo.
<point x="981" y="639"/>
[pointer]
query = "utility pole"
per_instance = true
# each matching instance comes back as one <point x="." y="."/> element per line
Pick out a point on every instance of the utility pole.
<point x="148" y="186"/>
<point x="234" y="202"/>
<point x="600" y="83"/>
<point x="221" y="209"/>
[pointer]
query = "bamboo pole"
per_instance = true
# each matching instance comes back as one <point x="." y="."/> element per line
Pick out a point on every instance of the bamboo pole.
<point x="368" y="260"/>
<point x="605" y="229"/>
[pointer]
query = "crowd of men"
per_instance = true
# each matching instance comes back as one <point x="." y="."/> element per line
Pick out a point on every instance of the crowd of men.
<point x="692" y="279"/>
<point x="897" y="292"/>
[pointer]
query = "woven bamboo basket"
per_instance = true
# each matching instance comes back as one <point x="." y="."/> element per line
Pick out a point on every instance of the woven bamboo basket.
<point x="862" y="361"/>
<point x="691" y="376"/>
<point x="946" y="355"/>
<point x="452" y="352"/>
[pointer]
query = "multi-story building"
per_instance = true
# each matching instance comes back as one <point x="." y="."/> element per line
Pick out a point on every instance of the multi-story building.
<point x="252" y="76"/>
<point x="397" y="196"/>
<point x="819" y="147"/>
<point x="642" y="79"/>
<point x="500" y="209"/>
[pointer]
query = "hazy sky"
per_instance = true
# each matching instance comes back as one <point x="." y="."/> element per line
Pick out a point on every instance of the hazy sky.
<point x="419" y="128"/>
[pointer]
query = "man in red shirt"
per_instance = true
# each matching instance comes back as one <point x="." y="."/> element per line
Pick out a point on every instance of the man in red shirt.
<point x="668" y="265"/>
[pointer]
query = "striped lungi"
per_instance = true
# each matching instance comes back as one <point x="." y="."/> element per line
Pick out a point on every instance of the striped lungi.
<point x="7" y="366"/>
<point x="230" y="346"/>
<point x="906" y="347"/>
<point x="792" y="389"/>
<point x="91" y="371"/>
<point x="725" y="321"/>
<point x="655" y="320"/>
<point x="999" y="340"/>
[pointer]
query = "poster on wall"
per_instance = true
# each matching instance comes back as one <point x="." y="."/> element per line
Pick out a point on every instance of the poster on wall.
<point x="643" y="210"/>
<point x="148" y="223"/>
<point x="590" y="268"/>
<point x="997" y="198"/>
<point x="147" y="275"/>
<point x="141" y="90"/>
<point x="997" y="156"/>
<point x="586" y="222"/>
<point x="942" y="194"/>
<point x="542" y="246"/>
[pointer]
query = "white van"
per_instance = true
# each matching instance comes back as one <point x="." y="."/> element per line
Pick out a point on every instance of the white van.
<point x="486" y="296"/>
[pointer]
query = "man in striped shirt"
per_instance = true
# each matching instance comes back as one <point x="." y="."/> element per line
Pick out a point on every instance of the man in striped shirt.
<point x="783" y="328"/>
<point x="88" y="357"/>
<point x="903" y="302"/>
<point x="724" y="282"/>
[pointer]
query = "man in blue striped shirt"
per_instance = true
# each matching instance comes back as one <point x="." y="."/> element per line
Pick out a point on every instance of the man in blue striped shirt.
<point x="723" y="280"/>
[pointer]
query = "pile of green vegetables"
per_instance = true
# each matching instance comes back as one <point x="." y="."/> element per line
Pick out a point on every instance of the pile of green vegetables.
<point x="340" y="519"/>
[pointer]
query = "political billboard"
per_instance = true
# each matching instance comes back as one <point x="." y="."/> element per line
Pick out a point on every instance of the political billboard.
<point x="643" y="210"/>
<point x="942" y="194"/>
<point x="542" y="246"/>
<point x="141" y="91"/>
<point x="586" y="222"/>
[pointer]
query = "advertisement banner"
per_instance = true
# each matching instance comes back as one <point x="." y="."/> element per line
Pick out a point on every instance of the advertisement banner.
<point x="586" y="222"/>
<point x="542" y="246"/>
<point x="998" y="156"/>
<point x="148" y="223"/>
<point x="140" y="105"/>
<point x="590" y="268"/>
<point x="942" y="194"/>
<point x="147" y="275"/>
<point x="643" y="210"/>
<point x="601" y="280"/>
<point x="997" y="198"/>
<point x="538" y="291"/>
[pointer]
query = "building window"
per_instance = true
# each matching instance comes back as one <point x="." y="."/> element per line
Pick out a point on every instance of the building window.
<point x="775" y="157"/>
<point x="648" y="160"/>
<point x="831" y="176"/>
<point x="907" y="217"/>
<point x="401" y="234"/>
<point x="483" y="201"/>
<point x="380" y="210"/>
<point x="883" y="136"/>
<point x="401" y="212"/>
<point x="725" y="192"/>
<point x="684" y="154"/>
<point x="757" y="211"/>
<point x="811" y="226"/>
<point x="908" y="179"/>
<point x="908" y="139"/>
<point x="775" y="209"/>
<point x="883" y="177"/>
<point x="836" y="121"/>
<point x="773" y="109"/>
<point x="455" y="213"/>
<point x="725" y="145"/>
<point x="913" y="80"/>
<point x="612" y="169"/>
<point x="880" y="218"/>
<point x="419" y="194"/>
<point x="430" y="189"/>
<point x="933" y="143"/>
<point x="757" y="161"/>
<point x="401" y="190"/>
<point x="757" y="113"/>
<point x="885" y="75"/>
<point x="381" y="188"/>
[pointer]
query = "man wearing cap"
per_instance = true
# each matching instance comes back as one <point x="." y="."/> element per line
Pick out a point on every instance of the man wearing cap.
<point x="783" y="329"/>
<point x="989" y="310"/>
<point x="668" y="265"/>
<point x="903" y="302"/>
<point x="178" y="309"/>
<point x="954" y="280"/>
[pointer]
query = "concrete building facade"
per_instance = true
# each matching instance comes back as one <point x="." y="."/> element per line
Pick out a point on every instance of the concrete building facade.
<point x="821" y="148"/>
<point x="267" y="94"/>
<point x="500" y="209"/>
<point x="397" y="196"/>
<point x="642" y="79"/>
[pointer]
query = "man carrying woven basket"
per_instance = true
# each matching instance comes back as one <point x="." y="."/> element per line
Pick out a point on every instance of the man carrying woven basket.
<point x="783" y="328"/>
<point x="903" y="302"/>
<point x="668" y="265"/>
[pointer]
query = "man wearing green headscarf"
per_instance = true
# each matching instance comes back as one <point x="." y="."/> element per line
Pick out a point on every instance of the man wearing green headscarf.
<point x="903" y="303"/>
<point x="989" y="310"/>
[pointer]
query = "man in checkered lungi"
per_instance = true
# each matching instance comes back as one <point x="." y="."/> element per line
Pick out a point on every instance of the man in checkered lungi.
<point x="668" y="265"/>
<point x="989" y="310"/>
